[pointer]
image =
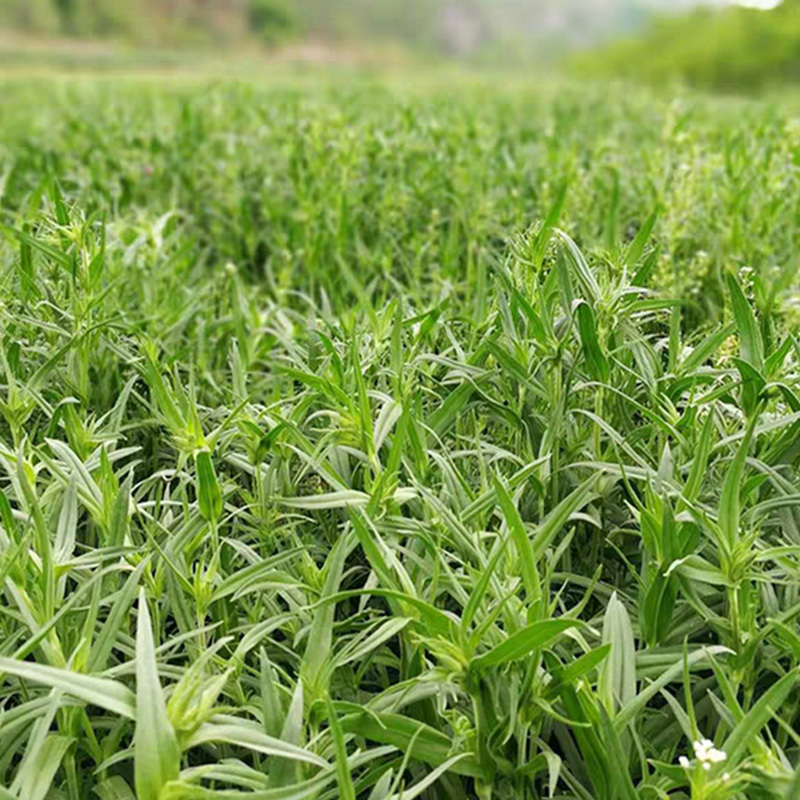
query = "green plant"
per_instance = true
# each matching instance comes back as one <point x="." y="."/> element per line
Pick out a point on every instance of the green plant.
<point x="327" y="475"/>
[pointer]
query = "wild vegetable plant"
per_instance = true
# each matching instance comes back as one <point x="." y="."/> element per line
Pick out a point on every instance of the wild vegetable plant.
<point x="415" y="513"/>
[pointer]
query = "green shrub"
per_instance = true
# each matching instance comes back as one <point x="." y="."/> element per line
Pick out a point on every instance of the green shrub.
<point x="734" y="49"/>
<point x="271" y="20"/>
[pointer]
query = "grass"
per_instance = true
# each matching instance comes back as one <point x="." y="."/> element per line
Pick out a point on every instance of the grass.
<point x="389" y="441"/>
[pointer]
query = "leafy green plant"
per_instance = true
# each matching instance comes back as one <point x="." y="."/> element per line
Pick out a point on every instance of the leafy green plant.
<point x="311" y="492"/>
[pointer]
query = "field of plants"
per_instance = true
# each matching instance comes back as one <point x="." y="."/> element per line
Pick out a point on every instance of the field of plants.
<point x="387" y="439"/>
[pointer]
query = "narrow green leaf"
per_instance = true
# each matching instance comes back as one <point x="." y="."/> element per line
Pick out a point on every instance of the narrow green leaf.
<point x="702" y="450"/>
<point x="674" y="672"/>
<point x="555" y="521"/>
<point x="745" y="735"/>
<point x="286" y="771"/>
<point x="321" y="636"/>
<point x="751" y="345"/>
<point x="700" y="354"/>
<point x="103" y="692"/>
<point x="252" y="739"/>
<point x="270" y="703"/>
<point x="481" y="587"/>
<point x="429" y="780"/>
<point x="585" y="664"/>
<point x="730" y="500"/>
<point x="618" y="759"/>
<point x="114" y="788"/>
<point x="522" y="543"/>
<point x="156" y="753"/>
<point x="617" y="685"/>
<point x="523" y="642"/>
<point x="592" y="351"/>
<point x="343" y="777"/>
<point x="104" y="643"/>
<point x="410" y="735"/>
<point x="636" y="247"/>
<point x="591" y="289"/>
<point x="43" y="769"/>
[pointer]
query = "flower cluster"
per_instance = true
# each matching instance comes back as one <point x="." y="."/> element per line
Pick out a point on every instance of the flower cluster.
<point x="706" y="754"/>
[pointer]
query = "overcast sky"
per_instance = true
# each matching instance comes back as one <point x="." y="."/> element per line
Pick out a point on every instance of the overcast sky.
<point x="766" y="4"/>
<point x="760" y="3"/>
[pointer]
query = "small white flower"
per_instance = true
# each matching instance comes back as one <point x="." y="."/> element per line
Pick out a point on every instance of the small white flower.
<point x="684" y="762"/>
<point x="707" y="754"/>
<point x="726" y="776"/>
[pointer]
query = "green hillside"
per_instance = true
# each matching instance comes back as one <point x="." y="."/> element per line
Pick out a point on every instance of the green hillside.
<point x="733" y="48"/>
<point x="506" y="28"/>
<point x="412" y="21"/>
<point x="185" y="21"/>
<point x="150" y="21"/>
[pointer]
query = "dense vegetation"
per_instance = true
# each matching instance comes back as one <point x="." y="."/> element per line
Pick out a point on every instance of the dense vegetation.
<point x="161" y="22"/>
<point x="501" y="29"/>
<point x="734" y="48"/>
<point x="230" y="22"/>
<point x="381" y="442"/>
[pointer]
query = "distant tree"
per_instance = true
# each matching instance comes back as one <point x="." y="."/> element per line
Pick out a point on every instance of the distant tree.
<point x="270" y="20"/>
<point x="34" y="16"/>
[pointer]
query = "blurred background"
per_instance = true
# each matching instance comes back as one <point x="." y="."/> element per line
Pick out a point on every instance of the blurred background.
<point x="717" y="44"/>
